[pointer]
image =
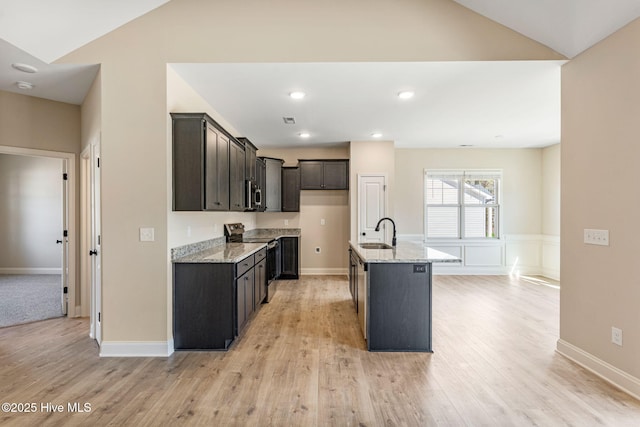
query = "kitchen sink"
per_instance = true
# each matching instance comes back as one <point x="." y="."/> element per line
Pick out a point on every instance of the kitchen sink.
<point x="375" y="246"/>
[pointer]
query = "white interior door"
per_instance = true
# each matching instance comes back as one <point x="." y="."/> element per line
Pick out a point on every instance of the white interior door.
<point x="371" y="207"/>
<point x="96" y="244"/>
<point x="65" y="237"/>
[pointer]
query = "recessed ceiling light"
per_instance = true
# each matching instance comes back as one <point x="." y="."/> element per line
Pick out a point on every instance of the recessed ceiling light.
<point x="405" y="94"/>
<point x="304" y="134"/>
<point x="465" y="145"/>
<point x="289" y="120"/>
<point x="24" y="85"/>
<point x="376" y="135"/>
<point x="499" y="136"/>
<point x="25" y="68"/>
<point x="297" y="95"/>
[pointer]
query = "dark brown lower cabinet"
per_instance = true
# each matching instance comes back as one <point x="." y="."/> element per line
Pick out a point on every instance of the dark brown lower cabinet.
<point x="213" y="301"/>
<point x="203" y="306"/>
<point x="290" y="258"/>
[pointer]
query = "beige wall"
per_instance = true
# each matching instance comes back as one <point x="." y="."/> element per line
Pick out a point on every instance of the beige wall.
<point x="134" y="105"/>
<point x="36" y="123"/>
<point x="372" y="157"/>
<point x="91" y="113"/>
<point x="189" y="227"/>
<point x="521" y="189"/>
<point x="30" y="214"/>
<point x="551" y="190"/>
<point x="600" y="152"/>
<point x="330" y="205"/>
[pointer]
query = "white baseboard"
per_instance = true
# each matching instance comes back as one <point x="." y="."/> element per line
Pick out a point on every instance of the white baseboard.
<point x="551" y="273"/>
<point x="30" y="271"/>
<point x="136" y="349"/>
<point x="620" y="379"/>
<point x="324" y="271"/>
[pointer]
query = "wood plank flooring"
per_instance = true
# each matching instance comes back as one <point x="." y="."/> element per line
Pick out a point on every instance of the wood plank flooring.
<point x="302" y="362"/>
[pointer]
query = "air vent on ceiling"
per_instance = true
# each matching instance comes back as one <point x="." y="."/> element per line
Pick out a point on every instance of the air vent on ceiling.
<point x="289" y="120"/>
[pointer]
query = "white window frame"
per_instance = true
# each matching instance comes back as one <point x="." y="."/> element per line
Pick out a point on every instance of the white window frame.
<point x="463" y="174"/>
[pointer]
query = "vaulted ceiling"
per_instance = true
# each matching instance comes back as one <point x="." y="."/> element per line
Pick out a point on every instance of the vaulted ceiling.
<point x="37" y="32"/>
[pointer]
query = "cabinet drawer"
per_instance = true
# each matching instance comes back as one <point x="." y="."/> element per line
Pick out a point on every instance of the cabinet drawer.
<point x="261" y="254"/>
<point x="245" y="265"/>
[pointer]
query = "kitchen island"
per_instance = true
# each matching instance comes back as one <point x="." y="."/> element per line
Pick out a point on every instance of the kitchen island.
<point x="391" y="289"/>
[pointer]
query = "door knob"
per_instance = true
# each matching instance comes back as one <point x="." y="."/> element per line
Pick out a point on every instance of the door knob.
<point x="58" y="241"/>
<point x="92" y="252"/>
<point x="364" y="234"/>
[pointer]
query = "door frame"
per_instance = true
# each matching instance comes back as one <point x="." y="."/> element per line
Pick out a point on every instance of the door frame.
<point x="90" y="210"/>
<point x="385" y="201"/>
<point x="70" y="206"/>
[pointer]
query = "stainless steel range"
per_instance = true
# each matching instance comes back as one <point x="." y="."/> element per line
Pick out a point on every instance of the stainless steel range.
<point x="235" y="234"/>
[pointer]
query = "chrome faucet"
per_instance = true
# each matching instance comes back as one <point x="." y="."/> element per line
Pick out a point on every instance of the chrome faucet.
<point x="393" y="241"/>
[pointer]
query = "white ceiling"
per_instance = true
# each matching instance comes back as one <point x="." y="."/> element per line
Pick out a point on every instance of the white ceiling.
<point x="515" y="100"/>
<point x="488" y="104"/>
<point x="566" y="26"/>
<point x="38" y="32"/>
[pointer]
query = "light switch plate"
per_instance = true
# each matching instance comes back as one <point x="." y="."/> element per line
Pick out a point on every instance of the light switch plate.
<point x="596" y="237"/>
<point x="147" y="234"/>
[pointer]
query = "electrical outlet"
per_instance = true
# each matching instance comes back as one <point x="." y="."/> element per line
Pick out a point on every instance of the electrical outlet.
<point x="322" y="221"/>
<point x="616" y="336"/>
<point x="596" y="237"/>
<point x="318" y="250"/>
<point x="286" y="222"/>
<point x="147" y="234"/>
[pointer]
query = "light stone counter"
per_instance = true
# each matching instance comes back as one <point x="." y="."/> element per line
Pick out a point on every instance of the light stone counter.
<point x="271" y="233"/>
<point x="218" y="251"/>
<point x="404" y="252"/>
<point x="225" y="253"/>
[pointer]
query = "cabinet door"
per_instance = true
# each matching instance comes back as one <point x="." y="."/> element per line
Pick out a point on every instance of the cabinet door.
<point x="216" y="171"/>
<point x="289" y="247"/>
<point x="311" y="175"/>
<point x="336" y="175"/>
<point x="273" y="195"/>
<point x="261" y="281"/>
<point x="189" y="148"/>
<point x="241" y="311"/>
<point x="250" y="163"/>
<point x="290" y="189"/>
<point x="203" y="311"/>
<point x="236" y="177"/>
<point x="249" y="283"/>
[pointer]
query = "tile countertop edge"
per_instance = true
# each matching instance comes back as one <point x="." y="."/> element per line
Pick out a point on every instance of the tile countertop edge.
<point x="405" y="252"/>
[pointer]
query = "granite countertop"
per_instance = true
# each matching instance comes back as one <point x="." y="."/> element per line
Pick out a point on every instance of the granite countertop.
<point x="271" y="233"/>
<point x="225" y="253"/>
<point x="403" y="252"/>
<point x="219" y="251"/>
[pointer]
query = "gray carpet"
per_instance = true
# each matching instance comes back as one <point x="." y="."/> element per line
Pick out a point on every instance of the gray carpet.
<point x="27" y="298"/>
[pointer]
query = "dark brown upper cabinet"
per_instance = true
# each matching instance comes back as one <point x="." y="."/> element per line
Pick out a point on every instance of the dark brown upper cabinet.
<point x="200" y="163"/>
<point x="250" y="154"/>
<point x="324" y="174"/>
<point x="290" y="189"/>
<point x="236" y="176"/>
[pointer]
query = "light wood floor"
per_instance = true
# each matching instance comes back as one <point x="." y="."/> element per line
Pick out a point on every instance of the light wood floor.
<point x="302" y="362"/>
